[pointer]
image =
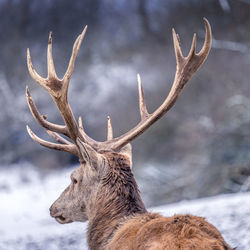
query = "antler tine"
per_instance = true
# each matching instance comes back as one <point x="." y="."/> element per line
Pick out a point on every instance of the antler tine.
<point x="40" y="80"/>
<point x="84" y="137"/>
<point x="177" y="48"/>
<point x="40" y="119"/>
<point x="193" y="47"/>
<point x="109" y="129"/>
<point x="142" y="103"/>
<point x="75" y="51"/>
<point x="50" y="61"/>
<point x="65" y="147"/>
<point x="208" y="40"/>
<point x="58" y="138"/>
<point x="80" y="125"/>
<point x="81" y="129"/>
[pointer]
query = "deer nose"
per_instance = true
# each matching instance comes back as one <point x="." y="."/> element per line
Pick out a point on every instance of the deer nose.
<point x="53" y="210"/>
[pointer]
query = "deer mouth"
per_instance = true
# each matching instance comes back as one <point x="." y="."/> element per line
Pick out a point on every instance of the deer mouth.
<point x="62" y="220"/>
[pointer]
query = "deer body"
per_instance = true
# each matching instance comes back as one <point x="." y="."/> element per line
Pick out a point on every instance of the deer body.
<point x="118" y="218"/>
<point x="103" y="189"/>
<point x="124" y="223"/>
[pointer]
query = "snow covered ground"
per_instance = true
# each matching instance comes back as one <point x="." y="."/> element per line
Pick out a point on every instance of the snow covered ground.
<point x="25" y="197"/>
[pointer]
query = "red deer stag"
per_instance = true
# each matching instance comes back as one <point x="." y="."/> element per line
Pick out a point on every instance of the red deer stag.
<point x="103" y="189"/>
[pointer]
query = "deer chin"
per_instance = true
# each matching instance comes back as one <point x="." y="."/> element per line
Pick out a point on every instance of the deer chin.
<point x="62" y="220"/>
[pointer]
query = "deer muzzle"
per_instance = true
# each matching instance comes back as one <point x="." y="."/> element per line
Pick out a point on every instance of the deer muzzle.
<point x="58" y="215"/>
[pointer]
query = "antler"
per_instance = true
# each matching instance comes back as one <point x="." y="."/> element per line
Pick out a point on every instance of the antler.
<point x="185" y="68"/>
<point x="57" y="88"/>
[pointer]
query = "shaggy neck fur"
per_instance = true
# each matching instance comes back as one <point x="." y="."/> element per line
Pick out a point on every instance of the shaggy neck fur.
<point x="117" y="198"/>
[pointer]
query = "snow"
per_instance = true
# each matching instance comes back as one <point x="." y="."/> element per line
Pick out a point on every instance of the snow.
<point x="26" y="224"/>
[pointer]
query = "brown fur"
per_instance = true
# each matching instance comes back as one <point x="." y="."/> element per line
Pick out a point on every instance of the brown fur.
<point x="118" y="197"/>
<point x="134" y="228"/>
<point x="153" y="231"/>
<point x="108" y="197"/>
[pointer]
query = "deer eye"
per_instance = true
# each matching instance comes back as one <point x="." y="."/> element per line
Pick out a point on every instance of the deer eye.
<point x="74" y="180"/>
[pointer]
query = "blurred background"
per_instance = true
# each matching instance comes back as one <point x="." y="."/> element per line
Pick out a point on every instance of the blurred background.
<point x="200" y="148"/>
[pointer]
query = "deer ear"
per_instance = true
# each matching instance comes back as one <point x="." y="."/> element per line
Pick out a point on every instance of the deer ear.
<point x="89" y="154"/>
<point x="127" y="150"/>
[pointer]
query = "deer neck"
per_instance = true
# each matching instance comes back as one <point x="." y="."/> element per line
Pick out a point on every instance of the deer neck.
<point x="117" y="198"/>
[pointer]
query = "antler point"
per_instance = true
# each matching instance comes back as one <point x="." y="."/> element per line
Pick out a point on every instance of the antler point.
<point x="205" y="19"/>
<point x="28" y="55"/>
<point x="80" y="122"/>
<point x="28" y="92"/>
<point x="138" y="77"/>
<point x="50" y="37"/>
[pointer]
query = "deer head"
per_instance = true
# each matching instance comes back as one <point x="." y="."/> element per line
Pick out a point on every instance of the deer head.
<point x="73" y="202"/>
<point x="102" y="162"/>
